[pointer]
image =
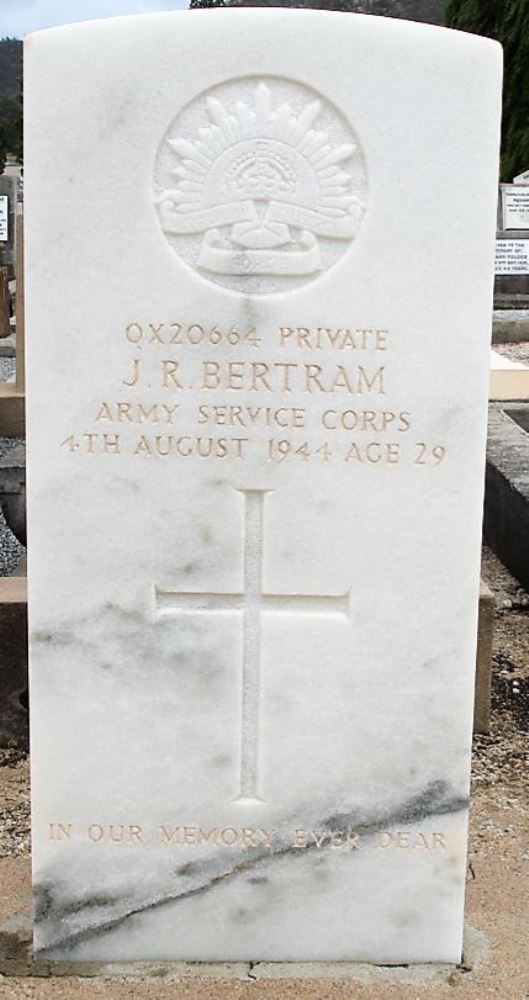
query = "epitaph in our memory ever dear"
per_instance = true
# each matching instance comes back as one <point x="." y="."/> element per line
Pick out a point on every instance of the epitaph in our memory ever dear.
<point x="258" y="368"/>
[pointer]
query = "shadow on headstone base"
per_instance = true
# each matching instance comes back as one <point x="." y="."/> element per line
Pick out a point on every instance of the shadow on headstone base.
<point x="16" y="960"/>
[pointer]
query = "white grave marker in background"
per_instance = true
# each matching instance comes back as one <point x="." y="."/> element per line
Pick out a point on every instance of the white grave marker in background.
<point x="515" y="206"/>
<point x="4" y="218"/>
<point x="257" y="429"/>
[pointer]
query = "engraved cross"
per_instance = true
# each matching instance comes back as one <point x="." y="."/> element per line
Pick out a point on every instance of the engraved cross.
<point x="252" y="602"/>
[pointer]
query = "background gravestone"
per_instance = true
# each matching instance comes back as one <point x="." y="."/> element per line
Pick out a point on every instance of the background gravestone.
<point x="512" y="246"/>
<point x="9" y="189"/>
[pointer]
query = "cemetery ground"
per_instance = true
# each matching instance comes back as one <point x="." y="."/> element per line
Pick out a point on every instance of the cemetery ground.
<point x="495" y="959"/>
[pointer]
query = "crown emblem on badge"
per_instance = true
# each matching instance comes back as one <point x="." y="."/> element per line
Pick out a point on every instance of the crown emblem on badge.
<point x="263" y="185"/>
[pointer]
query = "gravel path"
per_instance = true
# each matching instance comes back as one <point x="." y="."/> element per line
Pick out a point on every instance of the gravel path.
<point x="502" y="758"/>
<point x="516" y="352"/>
<point x="11" y="550"/>
<point x="8" y="444"/>
<point x="7" y="368"/>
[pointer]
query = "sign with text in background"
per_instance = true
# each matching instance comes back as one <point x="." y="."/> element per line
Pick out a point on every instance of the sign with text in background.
<point x="512" y="257"/>
<point x="515" y="205"/>
<point x="4" y="218"/>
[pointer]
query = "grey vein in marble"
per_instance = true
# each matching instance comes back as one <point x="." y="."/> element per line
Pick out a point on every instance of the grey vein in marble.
<point x="54" y="916"/>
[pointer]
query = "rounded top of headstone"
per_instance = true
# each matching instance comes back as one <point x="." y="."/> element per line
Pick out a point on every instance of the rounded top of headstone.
<point x="428" y="11"/>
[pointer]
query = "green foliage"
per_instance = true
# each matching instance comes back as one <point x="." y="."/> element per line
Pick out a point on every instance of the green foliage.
<point x="11" y="66"/>
<point x="10" y="99"/>
<point x="508" y="22"/>
<point x="207" y="3"/>
<point x="10" y="128"/>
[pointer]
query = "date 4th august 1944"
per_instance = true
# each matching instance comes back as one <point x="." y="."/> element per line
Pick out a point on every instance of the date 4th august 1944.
<point x="202" y="447"/>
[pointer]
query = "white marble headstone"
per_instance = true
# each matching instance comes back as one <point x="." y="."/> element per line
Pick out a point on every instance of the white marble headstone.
<point x="258" y="367"/>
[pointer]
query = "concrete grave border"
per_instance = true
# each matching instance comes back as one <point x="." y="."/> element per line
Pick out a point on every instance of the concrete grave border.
<point x="16" y="961"/>
<point x="506" y="515"/>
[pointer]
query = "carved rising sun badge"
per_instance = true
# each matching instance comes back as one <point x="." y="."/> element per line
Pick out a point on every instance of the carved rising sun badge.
<point x="260" y="185"/>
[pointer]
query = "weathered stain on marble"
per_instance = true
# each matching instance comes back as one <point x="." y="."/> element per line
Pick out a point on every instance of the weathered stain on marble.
<point x="57" y="935"/>
<point x="179" y="646"/>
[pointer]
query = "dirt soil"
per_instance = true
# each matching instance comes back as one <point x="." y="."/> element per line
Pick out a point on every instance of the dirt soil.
<point x="497" y="964"/>
<point x="516" y="352"/>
